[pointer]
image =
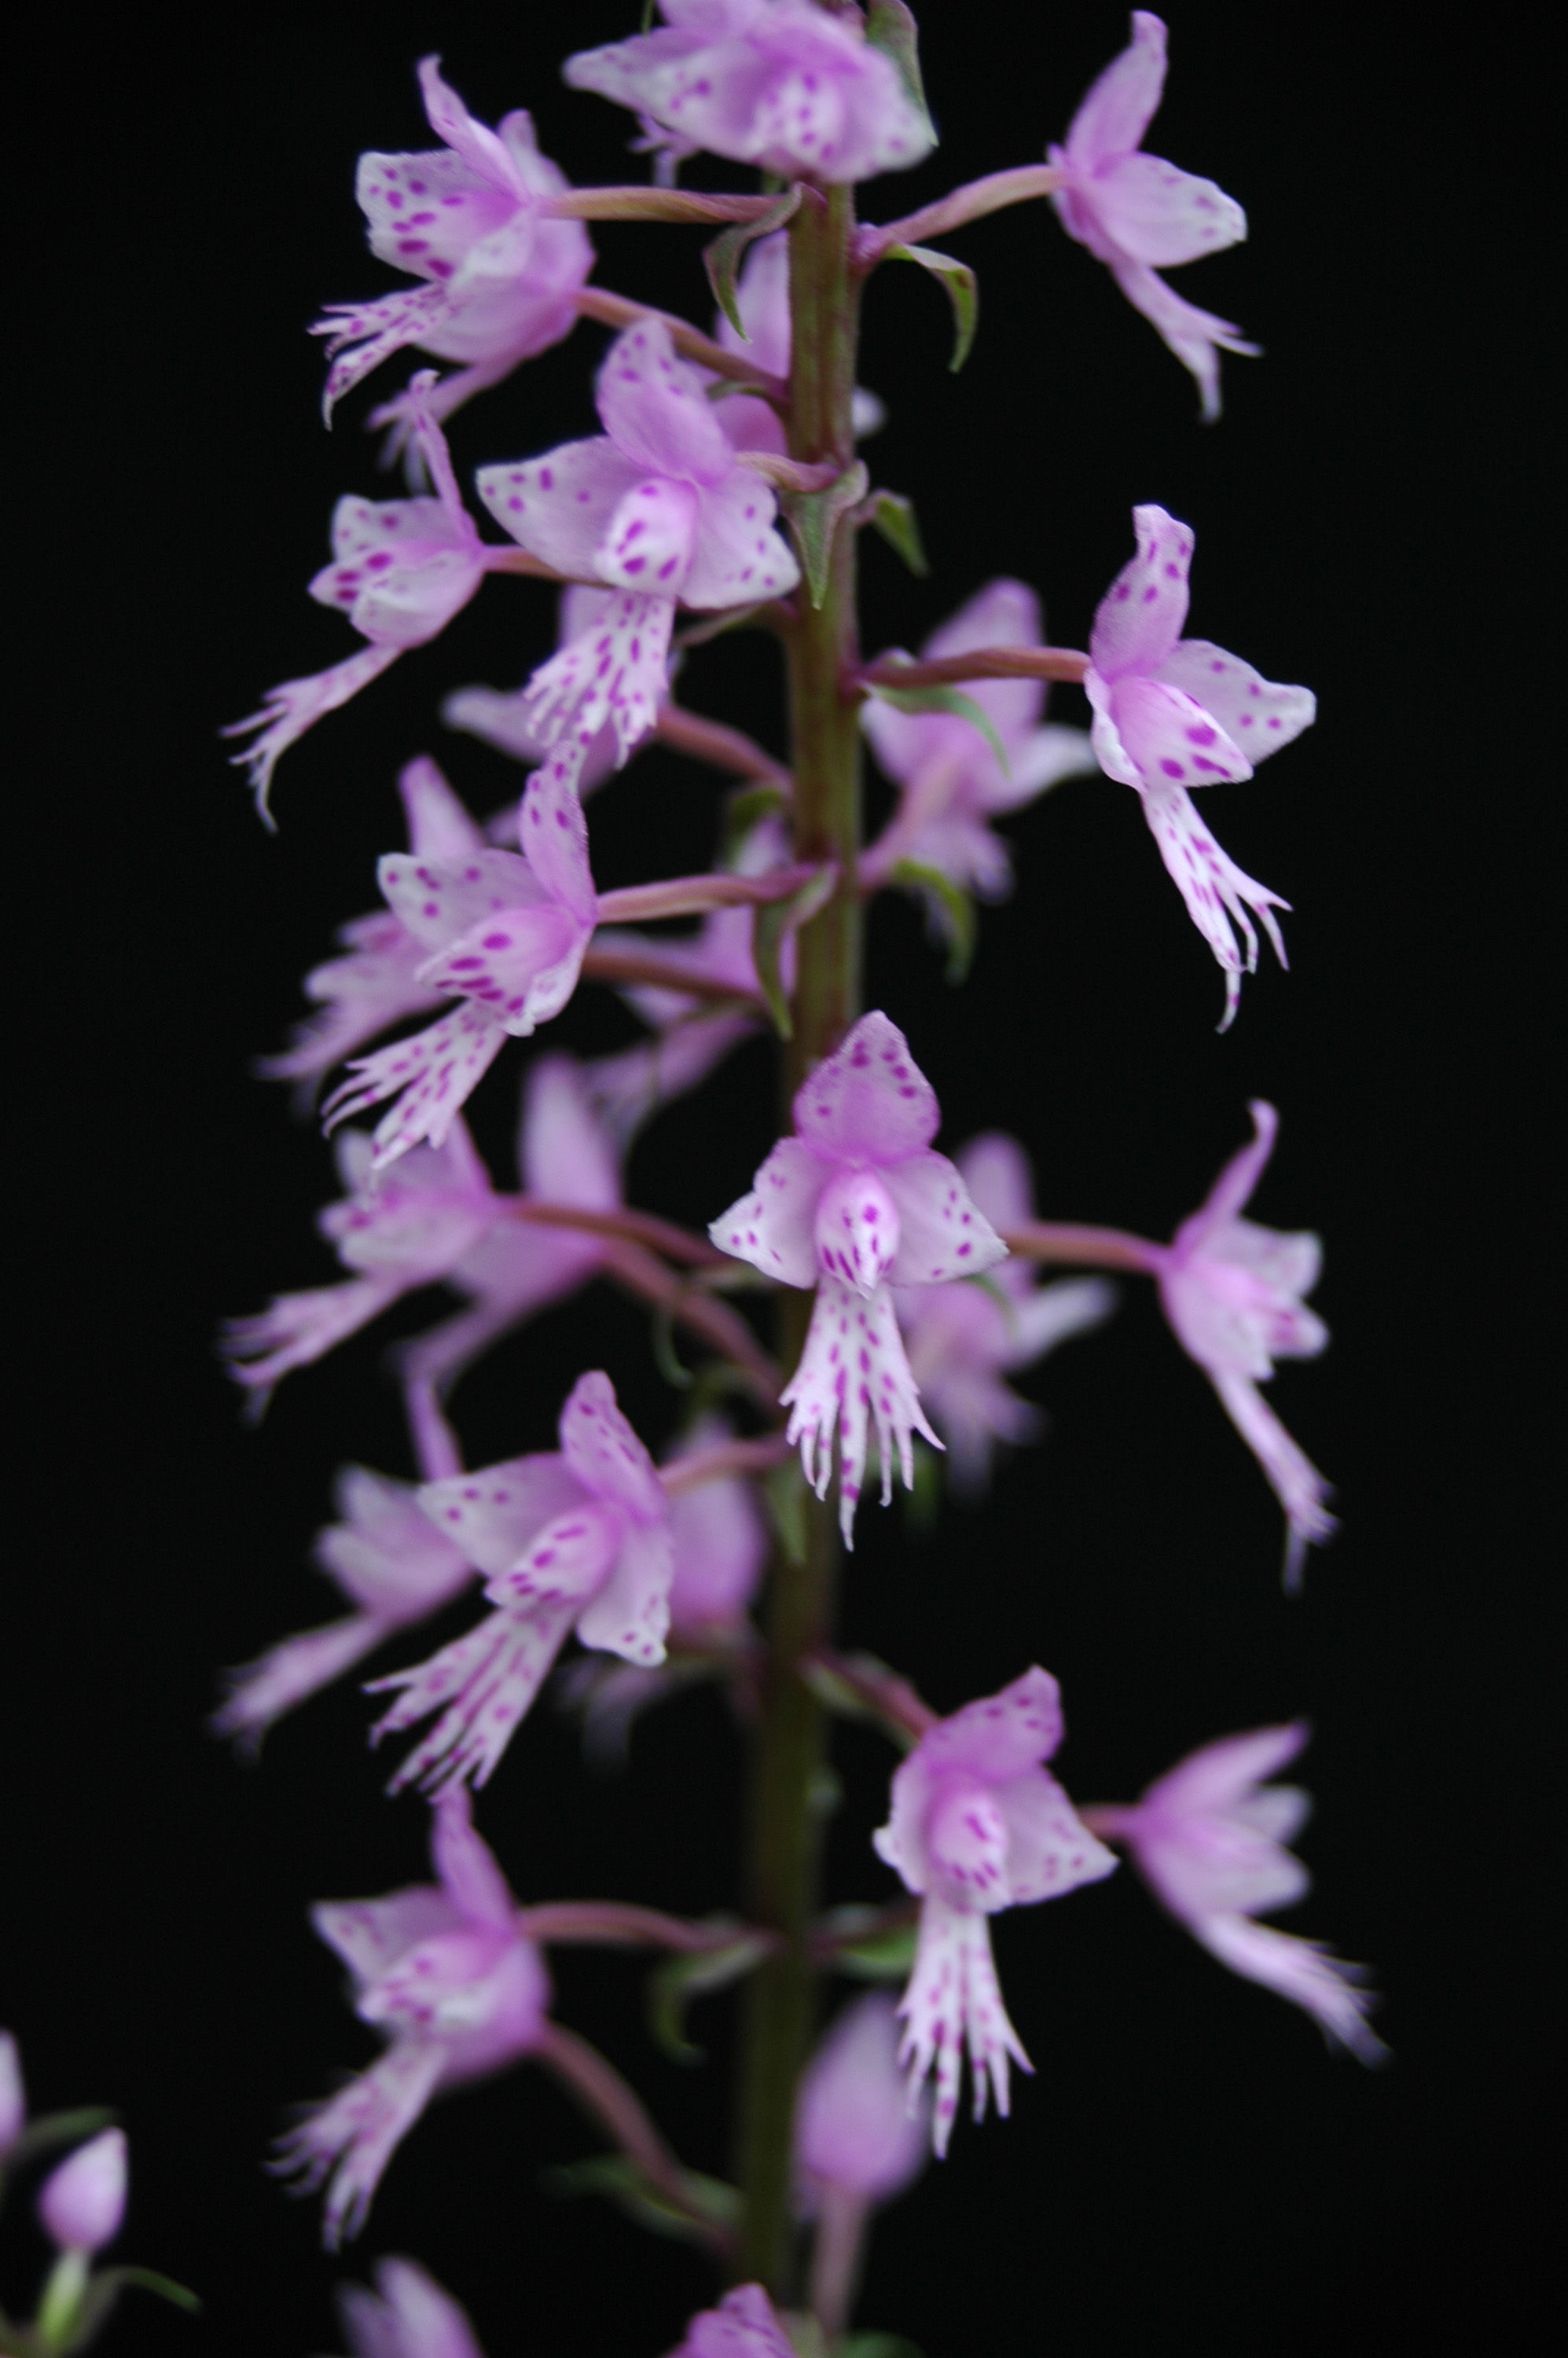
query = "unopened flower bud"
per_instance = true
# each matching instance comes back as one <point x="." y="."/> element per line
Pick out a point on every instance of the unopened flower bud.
<point x="13" y="2096"/>
<point x="853" y="2125"/>
<point x="82" y="2203"/>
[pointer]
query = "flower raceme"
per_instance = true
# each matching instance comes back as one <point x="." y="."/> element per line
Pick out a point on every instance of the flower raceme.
<point x="950" y="782"/>
<point x="407" y="2316"/>
<point x="1232" y="1291"/>
<point x="978" y="1825"/>
<point x="963" y="1339"/>
<point x="579" y="1539"/>
<point x="444" y="1973"/>
<point x="853" y="1204"/>
<point x="658" y="509"/>
<point x="783" y="84"/>
<point x="1208" y="1838"/>
<point x="1140" y="216"/>
<point x="1172" y="714"/>
<point x="400" y="570"/>
<point x="468" y="219"/>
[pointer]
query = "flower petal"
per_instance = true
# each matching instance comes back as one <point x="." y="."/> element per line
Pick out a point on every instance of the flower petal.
<point x="512" y="962"/>
<point x="604" y="1452"/>
<point x="630" y="1616"/>
<point x="738" y="556"/>
<point x="491" y="1516"/>
<point x="435" y="1072"/>
<point x="614" y="672"/>
<point x="1162" y="216"/>
<point x="559" y="507"/>
<point x="1140" y="619"/>
<point x="438" y="900"/>
<point x="1213" y="889"/>
<point x="655" y="410"/>
<point x="1049" y="1849"/>
<point x="953" y="1997"/>
<point x="439" y="828"/>
<point x="869" y="1101"/>
<point x="999" y="1735"/>
<point x="774" y="1226"/>
<point x="567" y="1560"/>
<point x="943" y="1233"/>
<point x="488" y="1680"/>
<point x="1111" y="120"/>
<point x="648" y="541"/>
<point x="1171" y="739"/>
<point x="1302" y="1970"/>
<point x="853" y="1373"/>
<point x="1257" y="715"/>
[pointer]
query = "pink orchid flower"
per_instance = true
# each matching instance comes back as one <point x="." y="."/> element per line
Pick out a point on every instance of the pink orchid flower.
<point x="962" y="1340"/>
<point x="1207" y="1838"/>
<point x="374" y="986"/>
<point x="779" y="84"/>
<point x="407" y="2316"/>
<point x="395" y="1568"/>
<point x="856" y="2139"/>
<point x="503" y="717"/>
<point x="659" y="509"/>
<point x="443" y="1973"/>
<point x="515" y="1269"/>
<point x="745" y="2325"/>
<point x="1140" y="216"/>
<point x="977" y="1825"/>
<point x="81" y="2205"/>
<point x="854" y="1204"/>
<point x="1174" y="713"/>
<point x="399" y="1232"/>
<point x="1232" y="1291"/>
<point x="504" y="934"/>
<point x="951" y="783"/>
<point x="469" y="219"/>
<point x="575" y="1540"/>
<point x="400" y="570"/>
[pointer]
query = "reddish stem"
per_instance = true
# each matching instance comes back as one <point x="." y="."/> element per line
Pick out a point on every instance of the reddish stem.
<point x="982" y="662"/>
<point x="617" y="311"/>
<point x="722" y="747"/>
<point x="606" y="2097"/>
<point x="692" y="896"/>
<point x="617" y="965"/>
<point x="619" y="1923"/>
<point x="1071" y="1247"/>
<point x="972" y="203"/>
<point x="724" y="1457"/>
<point x="638" y="1227"/>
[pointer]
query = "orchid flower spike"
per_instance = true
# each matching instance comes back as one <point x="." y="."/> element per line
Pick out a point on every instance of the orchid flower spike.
<point x="501" y="718"/>
<point x="397" y="1231"/>
<point x="963" y="1339"/>
<point x="1207" y="1838"/>
<point x="745" y="2325"/>
<point x="575" y="1540"/>
<point x="1174" y="713"/>
<point x="400" y="570"/>
<point x="504" y="935"/>
<point x="790" y="87"/>
<point x="1232" y="1291"/>
<point x="395" y="1568"/>
<point x="951" y="783"/>
<point x="516" y="1268"/>
<point x="469" y="219"/>
<point x="1139" y="214"/>
<point x="373" y="986"/>
<point x="978" y="1825"/>
<point x="443" y="1973"/>
<point x="854" y="1204"/>
<point x="659" y="509"/>
<point x="407" y="2316"/>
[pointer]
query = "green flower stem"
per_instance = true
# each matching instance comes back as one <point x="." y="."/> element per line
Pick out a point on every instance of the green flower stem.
<point x="790" y="1742"/>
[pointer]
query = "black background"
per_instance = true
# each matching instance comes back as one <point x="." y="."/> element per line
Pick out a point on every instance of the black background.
<point x="1187" y="2167"/>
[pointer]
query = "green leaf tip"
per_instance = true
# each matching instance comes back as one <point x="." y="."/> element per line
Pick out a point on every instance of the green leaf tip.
<point x="962" y="289"/>
<point x="722" y="258"/>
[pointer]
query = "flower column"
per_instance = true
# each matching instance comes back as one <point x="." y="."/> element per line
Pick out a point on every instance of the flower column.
<point x="823" y="650"/>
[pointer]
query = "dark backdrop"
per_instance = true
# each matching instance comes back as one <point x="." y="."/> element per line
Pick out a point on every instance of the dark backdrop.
<point x="1187" y="2165"/>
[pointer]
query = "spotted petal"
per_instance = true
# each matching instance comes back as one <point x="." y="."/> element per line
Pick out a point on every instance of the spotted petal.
<point x="774" y="1226"/>
<point x="1162" y="216"/>
<point x="869" y="1101"/>
<point x="656" y="409"/>
<point x="1257" y="715"/>
<point x="559" y="507"/>
<point x="631" y="1614"/>
<point x="943" y="1233"/>
<point x="604" y="1452"/>
<point x="438" y="900"/>
<point x="491" y="1516"/>
<point x="1140" y="619"/>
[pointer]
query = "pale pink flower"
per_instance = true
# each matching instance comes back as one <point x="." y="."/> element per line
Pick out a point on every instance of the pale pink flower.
<point x="443" y="1973"/>
<point x="779" y="84"/>
<point x="1207" y="1838"/>
<point x="963" y="1339"/>
<point x="1232" y="1291"/>
<point x="1139" y="214"/>
<point x="578" y="1540"/>
<point x="745" y="2325"/>
<point x="398" y="1229"/>
<point x="469" y="220"/>
<point x="517" y="1267"/>
<point x="1174" y="713"/>
<point x="407" y="2316"/>
<point x="658" y="509"/>
<point x="501" y="718"/>
<point x="951" y="783"/>
<point x="977" y="1825"/>
<point x="82" y="2203"/>
<point x="854" y="2131"/>
<point x="504" y="934"/>
<point x="855" y="1204"/>
<point x="13" y="2095"/>
<point x="400" y="570"/>
<point x="393" y="1566"/>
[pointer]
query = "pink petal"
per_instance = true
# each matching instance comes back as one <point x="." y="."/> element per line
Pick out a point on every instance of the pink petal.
<point x="487" y="1681"/>
<point x="721" y="1541"/>
<point x="1234" y="1187"/>
<point x="1171" y="739"/>
<point x="655" y="411"/>
<point x="647" y="543"/>
<point x="488" y="158"/>
<point x="1140" y="619"/>
<point x="467" y="1866"/>
<point x="614" y="672"/>
<point x="856" y="1230"/>
<point x="999" y="1735"/>
<point x="553" y="833"/>
<point x="1256" y="714"/>
<point x="434" y="1073"/>
<point x="411" y="2314"/>
<point x="1214" y="889"/>
<point x="384" y="1553"/>
<point x="1302" y="1970"/>
<point x="630" y="1615"/>
<point x="853" y="2125"/>
<point x="259" y="1694"/>
<point x="1295" y="1481"/>
<point x="869" y="1101"/>
<point x="370" y="1935"/>
<point x="1111" y="120"/>
<point x="515" y="962"/>
<point x="953" y="1999"/>
<point x="559" y="507"/>
<point x="439" y="828"/>
<point x="1195" y="337"/>
<point x="1050" y="1851"/>
<point x="355" y="2135"/>
<point x="965" y="1843"/>
<point x="853" y="1374"/>
<point x="774" y="1227"/>
<point x="738" y="557"/>
<point x="943" y="1233"/>
<point x="563" y="1150"/>
<point x="437" y="901"/>
<point x="605" y="1455"/>
<point x="568" y="1560"/>
<point x="295" y="706"/>
<point x="411" y="315"/>
<point x="489" y="1517"/>
<point x="1160" y="216"/>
